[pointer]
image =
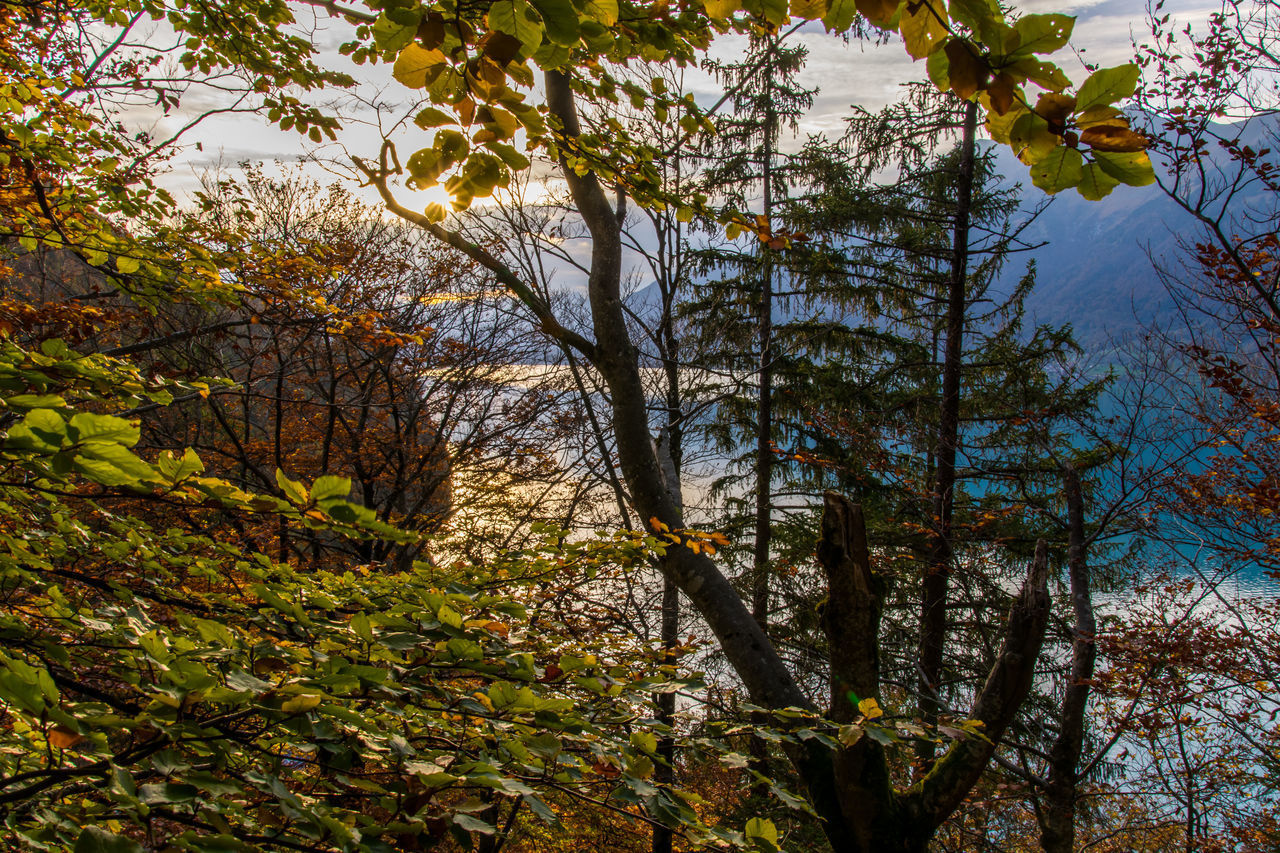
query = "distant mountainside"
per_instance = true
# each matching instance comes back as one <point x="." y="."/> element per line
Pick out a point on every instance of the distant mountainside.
<point x="1095" y="269"/>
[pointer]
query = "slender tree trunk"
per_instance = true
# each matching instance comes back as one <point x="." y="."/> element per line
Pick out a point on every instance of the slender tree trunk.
<point x="666" y="702"/>
<point x="933" y="609"/>
<point x="671" y="276"/>
<point x="665" y="774"/>
<point x="1058" y="815"/>
<point x="764" y="408"/>
<point x="278" y="441"/>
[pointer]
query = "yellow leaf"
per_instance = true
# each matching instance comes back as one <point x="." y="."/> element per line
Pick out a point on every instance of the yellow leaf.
<point x="604" y="11"/>
<point x="922" y="27"/>
<point x="811" y="10"/>
<point x="414" y="63"/>
<point x="718" y="10"/>
<point x="301" y="703"/>
<point x="870" y="709"/>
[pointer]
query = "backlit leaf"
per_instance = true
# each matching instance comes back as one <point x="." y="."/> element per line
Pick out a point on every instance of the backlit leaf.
<point x="922" y="26"/>
<point x="1043" y="33"/>
<point x="1094" y="183"/>
<point x="1109" y="137"/>
<point x="560" y="19"/>
<point x="1106" y="86"/>
<point x="1059" y="169"/>
<point x="414" y="63"/>
<point x="1132" y="168"/>
<point x="301" y="703"/>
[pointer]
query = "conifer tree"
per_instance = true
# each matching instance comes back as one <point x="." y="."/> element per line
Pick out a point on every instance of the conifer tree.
<point x="746" y="159"/>
<point x="950" y="385"/>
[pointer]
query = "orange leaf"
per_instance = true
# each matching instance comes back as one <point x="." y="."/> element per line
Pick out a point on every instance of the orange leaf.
<point x="63" y="737"/>
<point x="1120" y="140"/>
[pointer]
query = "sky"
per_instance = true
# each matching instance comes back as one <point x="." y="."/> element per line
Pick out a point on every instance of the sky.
<point x="844" y="73"/>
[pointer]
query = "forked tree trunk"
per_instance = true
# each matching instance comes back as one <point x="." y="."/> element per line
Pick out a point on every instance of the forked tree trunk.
<point x="876" y="818"/>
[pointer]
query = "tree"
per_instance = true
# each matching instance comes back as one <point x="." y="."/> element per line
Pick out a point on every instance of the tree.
<point x="765" y="97"/>
<point x="503" y="42"/>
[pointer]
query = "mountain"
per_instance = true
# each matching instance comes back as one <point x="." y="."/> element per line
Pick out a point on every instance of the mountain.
<point x="1095" y="267"/>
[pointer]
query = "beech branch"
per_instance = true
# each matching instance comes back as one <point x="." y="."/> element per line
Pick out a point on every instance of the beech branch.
<point x="377" y="178"/>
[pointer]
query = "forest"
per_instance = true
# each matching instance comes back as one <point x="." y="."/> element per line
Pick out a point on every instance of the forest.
<point x="563" y="446"/>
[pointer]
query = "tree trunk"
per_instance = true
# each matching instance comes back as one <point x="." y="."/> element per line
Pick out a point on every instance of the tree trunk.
<point x="664" y="774"/>
<point x="764" y="405"/>
<point x="875" y="817"/>
<point x="933" y="607"/>
<point x="1057" y="822"/>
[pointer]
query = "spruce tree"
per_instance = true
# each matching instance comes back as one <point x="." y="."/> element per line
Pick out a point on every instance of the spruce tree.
<point x="746" y="167"/>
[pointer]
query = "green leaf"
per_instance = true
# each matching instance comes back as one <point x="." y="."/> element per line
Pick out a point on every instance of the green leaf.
<point x="293" y="490"/>
<point x="426" y="165"/>
<point x="561" y="21"/>
<point x="1046" y="75"/>
<point x="775" y="12"/>
<point x="113" y="465"/>
<point x="982" y="17"/>
<point x="1107" y="86"/>
<point x="1043" y="33"/>
<point x="243" y="681"/>
<point x="1061" y="168"/>
<point x="840" y="15"/>
<point x="1095" y="183"/>
<point x="87" y="427"/>
<point x="644" y="741"/>
<point x="519" y="20"/>
<point x="762" y="829"/>
<point x="1031" y="139"/>
<point x="1132" y="168"/>
<point x="542" y="810"/>
<point x="432" y="117"/>
<point x="472" y="824"/>
<point x="167" y="792"/>
<point x="35" y="401"/>
<point x="176" y="468"/>
<point x="329" y="487"/>
<point x="452" y="145"/>
<point x="390" y="35"/>
<point x="93" y="839"/>
<point x="42" y="430"/>
<point x="301" y="703"/>
<point x="938" y="66"/>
